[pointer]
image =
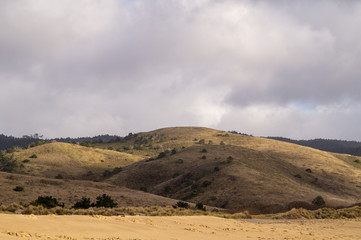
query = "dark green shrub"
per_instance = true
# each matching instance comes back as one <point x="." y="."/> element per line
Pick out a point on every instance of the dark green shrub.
<point x="221" y="143"/>
<point x="206" y="183"/>
<point x="176" y="174"/>
<point x="174" y="151"/>
<point x="19" y="189"/>
<point x="202" y="141"/>
<point x="162" y="155"/>
<point x="47" y="202"/>
<point x="204" y="150"/>
<point x="308" y="170"/>
<point x="7" y="164"/>
<point x="179" y="161"/>
<point x="84" y="203"/>
<point x="318" y="201"/>
<point x="210" y="142"/>
<point x="110" y="148"/>
<point x="105" y="201"/>
<point x="144" y="189"/>
<point x="59" y="176"/>
<point x="297" y="176"/>
<point x="216" y="169"/>
<point x="204" y="157"/>
<point x="34" y="156"/>
<point x="357" y="161"/>
<point x="126" y="148"/>
<point x="182" y="204"/>
<point x="26" y="161"/>
<point x="200" y="206"/>
<point x="229" y="159"/>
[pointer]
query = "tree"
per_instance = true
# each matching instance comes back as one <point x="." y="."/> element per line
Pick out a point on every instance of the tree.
<point x="84" y="203"/>
<point x="47" y="202"/>
<point x="319" y="201"/>
<point x="105" y="201"/>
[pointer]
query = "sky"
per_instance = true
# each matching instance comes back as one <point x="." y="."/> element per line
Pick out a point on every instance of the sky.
<point x="267" y="68"/>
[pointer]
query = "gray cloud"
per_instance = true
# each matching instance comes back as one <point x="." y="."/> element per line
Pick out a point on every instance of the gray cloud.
<point x="100" y="66"/>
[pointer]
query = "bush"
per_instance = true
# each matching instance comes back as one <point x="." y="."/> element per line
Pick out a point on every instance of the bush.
<point x="182" y="204"/>
<point x="19" y="189"/>
<point x="47" y="202"/>
<point x="59" y="176"/>
<point x="206" y="183"/>
<point x="204" y="157"/>
<point x="105" y="201"/>
<point x="318" y="201"/>
<point x="84" y="203"/>
<point x="297" y="176"/>
<point x="308" y="170"/>
<point x="174" y="151"/>
<point x="176" y="174"/>
<point x="7" y="164"/>
<point x="162" y="155"/>
<point x="167" y="189"/>
<point x="34" y="156"/>
<point x="357" y="161"/>
<point x="26" y="161"/>
<point x="202" y="141"/>
<point x="179" y="161"/>
<point x="229" y="159"/>
<point x="204" y="150"/>
<point x="221" y="143"/>
<point x="200" y="206"/>
<point x="216" y="169"/>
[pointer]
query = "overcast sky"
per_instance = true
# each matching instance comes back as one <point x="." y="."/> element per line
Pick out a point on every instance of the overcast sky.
<point x="267" y="68"/>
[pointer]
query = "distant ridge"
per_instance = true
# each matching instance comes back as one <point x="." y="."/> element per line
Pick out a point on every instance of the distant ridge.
<point x="329" y="145"/>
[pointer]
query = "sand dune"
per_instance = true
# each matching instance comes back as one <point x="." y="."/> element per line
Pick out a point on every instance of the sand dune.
<point x="195" y="227"/>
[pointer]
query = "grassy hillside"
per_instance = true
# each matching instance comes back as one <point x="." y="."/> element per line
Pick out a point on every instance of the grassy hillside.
<point x="70" y="191"/>
<point x="239" y="172"/>
<point x="70" y="161"/>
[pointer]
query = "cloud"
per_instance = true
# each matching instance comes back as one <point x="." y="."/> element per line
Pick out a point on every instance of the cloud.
<point x="101" y="66"/>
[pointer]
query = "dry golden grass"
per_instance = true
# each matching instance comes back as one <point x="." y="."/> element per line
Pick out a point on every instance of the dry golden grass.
<point x="70" y="160"/>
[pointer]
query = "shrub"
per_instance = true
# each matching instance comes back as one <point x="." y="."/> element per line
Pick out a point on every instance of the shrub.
<point x="204" y="150"/>
<point x="84" y="203"/>
<point x="308" y="170"/>
<point x="144" y="189"/>
<point x="59" y="176"/>
<point x="182" y="204"/>
<point x="221" y="143"/>
<point x="105" y="201"/>
<point x="229" y="159"/>
<point x="162" y="155"/>
<point x="297" y="176"/>
<point x="126" y="148"/>
<point x="26" y="161"/>
<point x="7" y="164"/>
<point x="34" y="156"/>
<point x="174" y="151"/>
<point x="202" y="141"/>
<point x="210" y="142"/>
<point x="47" y="202"/>
<point x="200" y="206"/>
<point x="204" y="157"/>
<point x="216" y="169"/>
<point x="19" y="189"/>
<point x="206" y="183"/>
<point x="176" y="174"/>
<point x="180" y="161"/>
<point x="357" y="161"/>
<point x="110" y="148"/>
<point x="318" y="201"/>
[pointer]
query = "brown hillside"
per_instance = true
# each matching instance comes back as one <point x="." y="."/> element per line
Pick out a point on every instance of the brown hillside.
<point x="244" y="173"/>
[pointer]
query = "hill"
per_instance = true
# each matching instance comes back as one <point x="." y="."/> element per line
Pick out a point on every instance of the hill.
<point x="71" y="161"/>
<point x="238" y="172"/>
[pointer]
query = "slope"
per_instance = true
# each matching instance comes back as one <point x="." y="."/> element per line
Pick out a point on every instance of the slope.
<point x="239" y="172"/>
<point x="64" y="160"/>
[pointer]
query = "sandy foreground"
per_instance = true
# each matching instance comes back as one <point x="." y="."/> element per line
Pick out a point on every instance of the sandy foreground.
<point x="192" y="227"/>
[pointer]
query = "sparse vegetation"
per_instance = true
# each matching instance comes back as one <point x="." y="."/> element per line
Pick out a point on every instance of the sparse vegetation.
<point x="84" y="203"/>
<point x="200" y="206"/>
<point x="318" y="201"/>
<point x="202" y="141"/>
<point x="179" y="161"/>
<point x="46" y="202"/>
<point x="162" y="155"/>
<point x="204" y="157"/>
<point x="34" y="156"/>
<point x="230" y="159"/>
<point x="297" y="176"/>
<point x="19" y="189"/>
<point x="204" y="150"/>
<point x="26" y="160"/>
<point x="216" y="169"/>
<point x="357" y="161"/>
<point x="59" y="176"/>
<point x="182" y="204"/>
<point x="7" y="164"/>
<point x="222" y="143"/>
<point x="308" y="170"/>
<point x="105" y="201"/>
<point x="174" y="151"/>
